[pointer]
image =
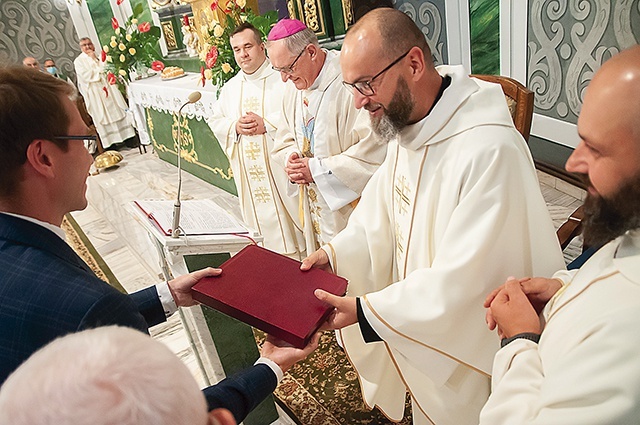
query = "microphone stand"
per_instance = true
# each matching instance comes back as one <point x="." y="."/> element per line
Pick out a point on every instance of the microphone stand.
<point x="175" y="227"/>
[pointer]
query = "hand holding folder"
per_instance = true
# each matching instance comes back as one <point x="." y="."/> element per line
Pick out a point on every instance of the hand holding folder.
<point x="269" y="291"/>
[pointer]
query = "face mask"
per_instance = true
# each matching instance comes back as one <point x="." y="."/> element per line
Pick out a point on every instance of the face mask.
<point x="52" y="70"/>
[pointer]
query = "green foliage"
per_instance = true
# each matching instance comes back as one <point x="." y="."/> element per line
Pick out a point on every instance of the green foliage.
<point x="133" y="45"/>
<point x="219" y="63"/>
<point x="485" y="36"/>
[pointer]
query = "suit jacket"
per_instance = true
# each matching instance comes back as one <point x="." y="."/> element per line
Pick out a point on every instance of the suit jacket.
<point x="47" y="291"/>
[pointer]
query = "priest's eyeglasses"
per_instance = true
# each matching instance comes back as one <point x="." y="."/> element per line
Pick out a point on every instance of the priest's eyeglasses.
<point x="364" y="87"/>
<point x="289" y="69"/>
<point x="83" y="137"/>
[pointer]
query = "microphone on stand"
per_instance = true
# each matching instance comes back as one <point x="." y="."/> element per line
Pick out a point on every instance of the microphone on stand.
<point x="175" y="228"/>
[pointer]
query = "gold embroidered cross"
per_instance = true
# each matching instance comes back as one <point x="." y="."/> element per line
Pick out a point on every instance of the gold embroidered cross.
<point x="399" y="239"/>
<point x="402" y="192"/>
<point x="256" y="172"/>
<point x="252" y="151"/>
<point x="251" y="104"/>
<point x="262" y="195"/>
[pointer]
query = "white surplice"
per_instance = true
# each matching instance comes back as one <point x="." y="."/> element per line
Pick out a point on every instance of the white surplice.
<point x="104" y="102"/>
<point x="585" y="368"/>
<point x="261" y="183"/>
<point x="453" y="211"/>
<point x="322" y="123"/>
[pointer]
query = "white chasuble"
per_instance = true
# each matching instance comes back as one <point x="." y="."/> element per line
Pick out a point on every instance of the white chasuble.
<point x="322" y="124"/>
<point x="261" y="184"/>
<point x="104" y="101"/>
<point x="452" y="212"/>
<point x="584" y="370"/>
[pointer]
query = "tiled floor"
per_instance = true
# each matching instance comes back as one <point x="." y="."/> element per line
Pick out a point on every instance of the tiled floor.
<point x="125" y="247"/>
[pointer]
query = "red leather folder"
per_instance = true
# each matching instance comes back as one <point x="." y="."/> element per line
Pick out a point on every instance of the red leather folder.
<point x="269" y="291"/>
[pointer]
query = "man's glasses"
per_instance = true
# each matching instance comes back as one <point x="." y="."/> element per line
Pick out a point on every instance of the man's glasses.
<point x="85" y="137"/>
<point x="289" y="69"/>
<point x="364" y="87"/>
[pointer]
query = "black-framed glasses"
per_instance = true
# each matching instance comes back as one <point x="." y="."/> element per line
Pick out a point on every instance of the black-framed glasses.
<point x="84" y="137"/>
<point x="289" y="69"/>
<point x="364" y="87"/>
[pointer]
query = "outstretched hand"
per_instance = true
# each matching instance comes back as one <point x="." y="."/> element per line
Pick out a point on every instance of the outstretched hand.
<point x="318" y="259"/>
<point x="180" y="287"/>
<point x="284" y="354"/>
<point x="344" y="310"/>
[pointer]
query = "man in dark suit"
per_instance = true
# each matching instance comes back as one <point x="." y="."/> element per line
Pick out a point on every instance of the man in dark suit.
<point x="46" y="290"/>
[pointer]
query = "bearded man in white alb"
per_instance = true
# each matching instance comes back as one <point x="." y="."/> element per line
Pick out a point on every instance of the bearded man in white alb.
<point x="327" y="145"/>
<point x="244" y="122"/>
<point x="577" y="363"/>
<point x="104" y="101"/>
<point x="455" y="205"/>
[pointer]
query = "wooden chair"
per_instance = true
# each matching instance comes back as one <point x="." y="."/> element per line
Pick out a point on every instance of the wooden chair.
<point x="520" y="103"/>
<point x="519" y="100"/>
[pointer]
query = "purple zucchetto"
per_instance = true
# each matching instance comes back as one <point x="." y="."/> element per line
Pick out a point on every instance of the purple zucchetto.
<point x="284" y="28"/>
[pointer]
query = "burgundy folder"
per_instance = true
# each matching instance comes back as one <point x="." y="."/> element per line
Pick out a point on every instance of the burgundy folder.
<point x="269" y="291"/>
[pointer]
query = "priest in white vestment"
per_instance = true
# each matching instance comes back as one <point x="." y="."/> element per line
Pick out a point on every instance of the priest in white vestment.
<point x="327" y="145"/>
<point x="455" y="206"/>
<point x="244" y="121"/>
<point x="580" y="366"/>
<point x="104" y="101"/>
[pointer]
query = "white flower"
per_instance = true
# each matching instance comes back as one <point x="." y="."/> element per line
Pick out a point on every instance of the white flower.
<point x="218" y="31"/>
<point x="128" y="37"/>
<point x="113" y="38"/>
<point x="113" y="44"/>
<point x="122" y="58"/>
<point x="106" y="49"/>
<point x="132" y="51"/>
<point x="122" y="72"/>
<point x="122" y="47"/>
<point x="226" y="68"/>
<point x="208" y="74"/>
<point x="134" y="21"/>
<point x="118" y="30"/>
<point x="109" y="59"/>
<point x="241" y="3"/>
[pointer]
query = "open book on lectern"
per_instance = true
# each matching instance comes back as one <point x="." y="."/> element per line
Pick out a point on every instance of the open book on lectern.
<point x="198" y="217"/>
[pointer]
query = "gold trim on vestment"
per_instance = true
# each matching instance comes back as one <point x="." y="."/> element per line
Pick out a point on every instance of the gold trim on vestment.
<point x="437" y="350"/>
<point x="563" y="289"/>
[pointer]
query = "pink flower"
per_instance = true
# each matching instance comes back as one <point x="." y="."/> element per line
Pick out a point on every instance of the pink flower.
<point x="111" y="78"/>
<point x="185" y="21"/>
<point x="103" y="55"/>
<point x="114" y="23"/>
<point x="157" y="65"/>
<point x="212" y="57"/>
<point x="144" y="27"/>
<point x="214" y="5"/>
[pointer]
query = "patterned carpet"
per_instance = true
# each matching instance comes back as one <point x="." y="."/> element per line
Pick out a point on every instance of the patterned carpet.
<point x="81" y="245"/>
<point x="324" y="389"/>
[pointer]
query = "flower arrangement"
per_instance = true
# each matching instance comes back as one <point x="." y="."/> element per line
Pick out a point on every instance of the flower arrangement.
<point x="132" y="47"/>
<point x="217" y="54"/>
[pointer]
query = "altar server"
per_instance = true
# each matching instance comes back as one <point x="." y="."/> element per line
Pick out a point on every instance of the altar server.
<point x="326" y="144"/>
<point x="581" y="365"/>
<point x="455" y="206"/>
<point x="104" y="101"/>
<point x="244" y="122"/>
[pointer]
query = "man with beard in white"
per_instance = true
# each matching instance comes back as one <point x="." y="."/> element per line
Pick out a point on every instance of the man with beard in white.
<point x="581" y="365"/>
<point x="244" y="122"/>
<point x="327" y="145"/>
<point x="455" y="205"/>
